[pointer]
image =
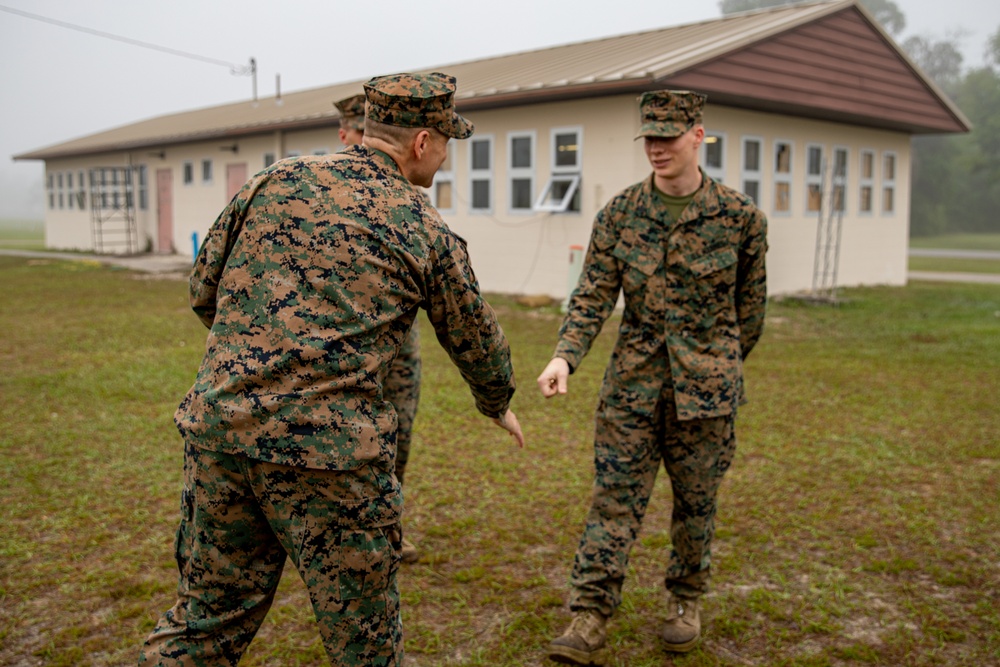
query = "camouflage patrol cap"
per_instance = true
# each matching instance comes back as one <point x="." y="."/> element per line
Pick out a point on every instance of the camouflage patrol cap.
<point x="669" y="113"/>
<point x="352" y="112"/>
<point x="416" y="100"/>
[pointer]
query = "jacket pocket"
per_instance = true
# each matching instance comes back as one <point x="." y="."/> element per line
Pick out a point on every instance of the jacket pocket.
<point x="713" y="262"/>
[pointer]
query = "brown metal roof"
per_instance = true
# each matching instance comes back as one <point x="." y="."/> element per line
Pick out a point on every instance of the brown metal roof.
<point x="804" y="59"/>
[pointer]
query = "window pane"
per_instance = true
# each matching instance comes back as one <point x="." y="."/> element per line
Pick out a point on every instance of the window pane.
<point x="887" y="203"/>
<point x="520" y="152"/>
<point x="713" y="152"/>
<point x="751" y="156"/>
<point x="559" y="190"/>
<point x="480" y="194"/>
<point x="480" y="155"/>
<point x="783" y="159"/>
<point x="782" y="196"/>
<point x="867" y="165"/>
<point x="866" y="198"/>
<point x="520" y="193"/>
<point x="840" y="163"/>
<point x="443" y="195"/>
<point x="446" y="165"/>
<point x="889" y="173"/>
<point x="815" y="198"/>
<point x="815" y="160"/>
<point x="567" y="149"/>
<point x="752" y="189"/>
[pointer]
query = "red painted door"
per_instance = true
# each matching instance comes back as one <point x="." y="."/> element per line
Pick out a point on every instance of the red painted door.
<point x="164" y="211"/>
<point x="236" y="176"/>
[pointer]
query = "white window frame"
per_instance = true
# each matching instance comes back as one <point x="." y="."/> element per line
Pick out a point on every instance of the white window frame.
<point x="568" y="175"/>
<point x="207" y="171"/>
<point x="70" y="195"/>
<point x="888" y="183"/>
<point x="714" y="137"/>
<point x="483" y="174"/>
<point x="322" y="150"/>
<point x="187" y="172"/>
<point x="752" y="175"/>
<point x="866" y="181"/>
<point x="445" y="176"/>
<point x="839" y="180"/>
<point x="521" y="173"/>
<point x="783" y="178"/>
<point x="813" y="179"/>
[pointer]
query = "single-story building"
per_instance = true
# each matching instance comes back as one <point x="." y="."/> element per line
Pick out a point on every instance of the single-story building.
<point x="811" y="110"/>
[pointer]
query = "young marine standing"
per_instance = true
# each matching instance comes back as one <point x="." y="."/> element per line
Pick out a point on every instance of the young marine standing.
<point x="689" y="255"/>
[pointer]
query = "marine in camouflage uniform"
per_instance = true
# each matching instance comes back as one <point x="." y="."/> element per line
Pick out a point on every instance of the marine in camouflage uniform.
<point x="402" y="386"/>
<point x="689" y="255"/>
<point x="309" y="281"/>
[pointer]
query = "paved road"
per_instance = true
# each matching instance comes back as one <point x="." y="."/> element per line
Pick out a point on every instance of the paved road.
<point x="941" y="276"/>
<point x="955" y="254"/>
<point x="148" y="263"/>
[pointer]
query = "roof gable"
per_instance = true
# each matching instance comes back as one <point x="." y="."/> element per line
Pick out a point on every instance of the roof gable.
<point x="840" y="67"/>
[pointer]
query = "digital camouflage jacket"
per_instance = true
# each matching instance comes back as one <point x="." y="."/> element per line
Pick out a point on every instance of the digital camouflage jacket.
<point x="309" y="281"/>
<point x="695" y="294"/>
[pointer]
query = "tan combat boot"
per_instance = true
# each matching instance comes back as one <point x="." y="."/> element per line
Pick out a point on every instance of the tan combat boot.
<point x="583" y="641"/>
<point x="409" y="552"/>
<point x="683" y="629"/>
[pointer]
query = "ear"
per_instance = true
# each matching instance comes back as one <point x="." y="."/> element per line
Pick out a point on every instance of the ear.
<point x="420" y="142"/>
<point x="699" y="135"/>
<point x="342" y="135"/>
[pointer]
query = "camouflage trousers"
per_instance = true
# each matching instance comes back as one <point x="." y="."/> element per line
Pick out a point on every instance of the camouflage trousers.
<point x="628" y="449"/>
<point x="402" y="389"/>
<point x="241" y="519"/>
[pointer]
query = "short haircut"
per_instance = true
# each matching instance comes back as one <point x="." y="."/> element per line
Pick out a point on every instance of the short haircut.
<point x="392" y="134"/>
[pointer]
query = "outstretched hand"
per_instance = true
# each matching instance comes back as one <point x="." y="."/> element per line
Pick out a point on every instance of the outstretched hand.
<point x="554" y="378"/>
<point x="510" y="424"/>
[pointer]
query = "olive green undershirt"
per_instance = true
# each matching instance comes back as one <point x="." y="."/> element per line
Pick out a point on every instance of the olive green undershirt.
<point x="674" y="205"/>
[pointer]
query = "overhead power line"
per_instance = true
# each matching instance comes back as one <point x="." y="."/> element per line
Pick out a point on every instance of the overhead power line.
<point x="239" y="70"/>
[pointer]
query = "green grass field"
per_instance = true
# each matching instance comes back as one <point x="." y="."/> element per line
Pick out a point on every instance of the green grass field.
<point x="858" y="525"/>
<point x="954" y="265"/>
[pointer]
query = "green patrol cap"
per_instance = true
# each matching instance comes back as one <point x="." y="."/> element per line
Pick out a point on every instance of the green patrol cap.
<point x="669" y="113"/>
<point x="416" y="100"/>
<point x="352" y="112"/>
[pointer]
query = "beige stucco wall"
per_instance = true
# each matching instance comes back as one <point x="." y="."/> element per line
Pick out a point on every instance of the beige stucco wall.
<point x="195" y="205"/>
